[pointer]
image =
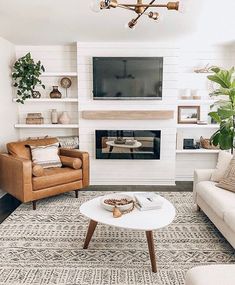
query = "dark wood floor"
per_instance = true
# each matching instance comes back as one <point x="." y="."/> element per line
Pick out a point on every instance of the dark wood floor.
<point x="8" y="204"/>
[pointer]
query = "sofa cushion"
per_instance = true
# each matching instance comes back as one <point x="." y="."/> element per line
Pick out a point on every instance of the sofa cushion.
<point x="228" y="180"/>
<point x="218" y="199"/>
<point x="56" y="176"/>
<point x="21" y="149"/>
<point x="224" y="159"/>
<point x="229" y="218"/>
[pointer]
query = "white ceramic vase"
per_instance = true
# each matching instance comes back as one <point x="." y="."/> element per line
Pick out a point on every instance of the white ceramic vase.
<point x="64" y="118"/>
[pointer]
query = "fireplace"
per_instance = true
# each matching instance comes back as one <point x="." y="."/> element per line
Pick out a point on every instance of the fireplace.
<point x="128" y="144"/>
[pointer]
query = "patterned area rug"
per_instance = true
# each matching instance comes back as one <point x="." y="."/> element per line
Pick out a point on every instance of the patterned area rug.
<point x="45" y="246"/>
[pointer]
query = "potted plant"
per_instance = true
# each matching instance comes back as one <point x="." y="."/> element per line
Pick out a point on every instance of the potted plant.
<point x="26" y="75"/>
<point x="225" y="113"/>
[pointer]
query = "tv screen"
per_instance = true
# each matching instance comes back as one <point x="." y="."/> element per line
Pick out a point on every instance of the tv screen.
<point x="127" y="78"/>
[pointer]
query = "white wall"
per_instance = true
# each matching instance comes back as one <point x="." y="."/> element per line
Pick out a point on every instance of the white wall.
<point x="8" y="109"/>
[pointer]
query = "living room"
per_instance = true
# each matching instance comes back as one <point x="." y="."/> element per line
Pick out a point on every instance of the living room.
<point x="117" y="132"/>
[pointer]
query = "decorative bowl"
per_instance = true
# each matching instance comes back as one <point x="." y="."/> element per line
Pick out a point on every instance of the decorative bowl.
<point x="116" y="196"/>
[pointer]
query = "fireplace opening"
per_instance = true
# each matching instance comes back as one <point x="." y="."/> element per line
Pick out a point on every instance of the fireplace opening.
<point x="128" y="144"/>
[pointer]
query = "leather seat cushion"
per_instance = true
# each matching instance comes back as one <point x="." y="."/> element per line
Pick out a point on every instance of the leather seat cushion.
<point x="21" y="149"/>
<point x="229" y="218"/>
<point x="218" y="199"/>
<point x="56" y="176"/>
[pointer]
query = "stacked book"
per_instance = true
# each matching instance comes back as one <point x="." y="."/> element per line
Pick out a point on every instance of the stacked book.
<point x="34" y="118"/>
<point x="148" y="201"/>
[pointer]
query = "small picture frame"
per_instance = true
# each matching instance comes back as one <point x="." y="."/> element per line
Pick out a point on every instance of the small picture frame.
<point x="188" y="114"/>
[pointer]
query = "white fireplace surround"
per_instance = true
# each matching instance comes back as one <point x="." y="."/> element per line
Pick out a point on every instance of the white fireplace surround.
<point x="129" y="172"/>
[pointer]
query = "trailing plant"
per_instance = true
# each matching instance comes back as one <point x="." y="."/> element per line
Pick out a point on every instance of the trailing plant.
<point x="225" y="113"/>
<point x="25" y="76"/>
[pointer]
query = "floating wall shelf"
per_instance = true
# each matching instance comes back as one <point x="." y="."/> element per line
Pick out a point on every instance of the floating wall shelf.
<point x="41" y="100"/>
<point x="46" y="126"/>
<point x="128" y="115"/>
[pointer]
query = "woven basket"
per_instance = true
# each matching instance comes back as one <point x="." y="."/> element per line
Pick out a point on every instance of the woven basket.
<point x="205" y="143"/>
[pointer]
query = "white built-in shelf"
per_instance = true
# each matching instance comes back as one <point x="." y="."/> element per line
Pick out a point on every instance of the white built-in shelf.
<point x="195" y="126"/>
<point x="197" y="151"/>
<point x="46" y="126"/>
<point x="59" y="74"/>
<point x="40" y="100"/>
<point x="195" y="102"/>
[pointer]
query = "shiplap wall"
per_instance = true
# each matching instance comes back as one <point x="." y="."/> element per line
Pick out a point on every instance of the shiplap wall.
<point x="55" y="59"/>
<point x="129" y="171"/>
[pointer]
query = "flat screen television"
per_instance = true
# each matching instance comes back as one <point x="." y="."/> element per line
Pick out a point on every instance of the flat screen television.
<point x="126" y="78"/>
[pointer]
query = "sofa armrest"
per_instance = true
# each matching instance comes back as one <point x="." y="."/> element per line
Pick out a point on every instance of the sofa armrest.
<point x="84" y="156"/>
<point x="16" y="177"/>
<point x="199" y="176"/>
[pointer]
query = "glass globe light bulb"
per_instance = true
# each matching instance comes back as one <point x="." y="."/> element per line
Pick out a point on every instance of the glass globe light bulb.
<point x="95" y="6"/>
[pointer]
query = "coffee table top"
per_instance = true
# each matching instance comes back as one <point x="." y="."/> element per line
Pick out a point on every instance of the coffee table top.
<point x="136" y="220"/>
<point x="135" y="145"/>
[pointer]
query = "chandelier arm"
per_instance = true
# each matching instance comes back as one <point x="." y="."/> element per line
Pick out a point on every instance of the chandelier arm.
<point x="145" y="5"/>
<point x="140" y="14"/>
<point x="125" y="7"/>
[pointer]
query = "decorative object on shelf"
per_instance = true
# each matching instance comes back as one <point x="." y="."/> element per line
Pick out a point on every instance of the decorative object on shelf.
<point x="64" y="118"/>
<point x="66" y="83"/>
<point x="55" y="93"/>
<point x="195" y="95"/>
<point x="138" y="7"/>
<point x="25" y="76"/>
<point x="202" y="122"/>
<point x="207" y="69"/>
<point x="36" y="94"/>
<point x="190" y="144"/>
<point x="54" y="116"/>
<point x="206" y="143"/>
<point x="185" y="94"/>
<point x="69" y="142"/>
<point x="179" y="140"/>
<point x="34" y="119"/>
<point x="225" y="114"/>
<point x="188" y="114"/>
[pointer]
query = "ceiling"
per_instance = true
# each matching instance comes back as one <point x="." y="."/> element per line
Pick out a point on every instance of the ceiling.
<point x="57" y="22"/>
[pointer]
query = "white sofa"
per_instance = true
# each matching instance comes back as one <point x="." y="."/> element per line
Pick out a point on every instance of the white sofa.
<point x="223" y="274"/>
<point x="218" y="204"/>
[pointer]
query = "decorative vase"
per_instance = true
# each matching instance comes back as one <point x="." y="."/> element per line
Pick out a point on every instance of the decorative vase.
<point x="64" y="118"/>
<point x="36" y="94"/>
<point x="54" y="116"/>
<point x="55" y="93"/>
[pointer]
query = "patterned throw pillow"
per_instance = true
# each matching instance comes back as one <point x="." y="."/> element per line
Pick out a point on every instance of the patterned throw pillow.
<point x="46" y="156"/>
<point x="228" y="181"/>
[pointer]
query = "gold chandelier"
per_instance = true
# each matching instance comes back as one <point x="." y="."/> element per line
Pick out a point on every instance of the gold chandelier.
<point x="140" y="8"/>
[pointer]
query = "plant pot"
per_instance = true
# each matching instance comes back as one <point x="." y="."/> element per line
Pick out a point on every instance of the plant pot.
<point x="36" y="94"/>
<point x="64" y="118"/>
<point x="55" y="93"/>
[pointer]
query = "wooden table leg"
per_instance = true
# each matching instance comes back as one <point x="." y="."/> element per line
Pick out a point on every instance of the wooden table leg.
<point x="149" y="235"/>
<point x="90" y="232"/>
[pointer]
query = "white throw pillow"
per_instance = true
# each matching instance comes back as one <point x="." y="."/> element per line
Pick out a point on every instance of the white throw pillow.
<point x="46" y="156"/>
<point x="224" y="159"/>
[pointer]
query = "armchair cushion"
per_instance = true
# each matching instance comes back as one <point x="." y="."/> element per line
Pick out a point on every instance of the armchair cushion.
<point x="46" y="156"/>
<point x="72" y="162"/>
<point x="21" y="149"/>
<point x="56" y="176"/>
<point x="37" y="170"/>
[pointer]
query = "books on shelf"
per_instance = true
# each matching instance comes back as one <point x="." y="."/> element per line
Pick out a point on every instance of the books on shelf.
<point x="148" y="201"/>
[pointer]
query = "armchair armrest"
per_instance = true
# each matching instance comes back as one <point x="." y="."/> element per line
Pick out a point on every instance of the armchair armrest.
<point x="16" y="177"/>
<point x="199" y="176"/>
<point x="84" y="156"/>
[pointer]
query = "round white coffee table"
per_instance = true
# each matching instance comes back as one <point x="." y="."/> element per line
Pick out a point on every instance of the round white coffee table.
<point x="112" y="144"/>
<point x="147" y="221"/>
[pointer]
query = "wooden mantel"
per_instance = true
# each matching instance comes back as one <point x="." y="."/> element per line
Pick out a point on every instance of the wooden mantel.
<point x="128" y="115"/>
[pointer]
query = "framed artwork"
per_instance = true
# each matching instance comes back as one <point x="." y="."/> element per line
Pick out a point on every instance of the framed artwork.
<point x="188" y="114"/>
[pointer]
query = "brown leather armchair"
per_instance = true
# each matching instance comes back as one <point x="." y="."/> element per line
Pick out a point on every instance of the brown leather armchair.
<point x="16" y="176"/>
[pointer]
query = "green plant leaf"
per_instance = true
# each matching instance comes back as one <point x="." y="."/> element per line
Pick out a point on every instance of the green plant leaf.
<point x="215" y="116"/>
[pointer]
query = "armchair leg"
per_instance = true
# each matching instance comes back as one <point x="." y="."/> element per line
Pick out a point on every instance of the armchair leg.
<point x="34" y="205"/>
<point x="76" y="193"/>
